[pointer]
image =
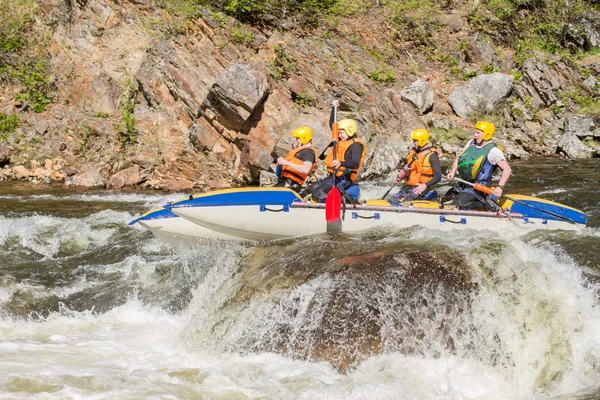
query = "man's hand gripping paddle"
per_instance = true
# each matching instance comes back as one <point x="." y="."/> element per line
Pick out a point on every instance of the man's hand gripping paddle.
<point x="489" y="190"/>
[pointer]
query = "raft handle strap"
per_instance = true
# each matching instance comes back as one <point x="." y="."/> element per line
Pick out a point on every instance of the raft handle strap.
<point x="285" y="208"/>
<point x="374" y="216"/>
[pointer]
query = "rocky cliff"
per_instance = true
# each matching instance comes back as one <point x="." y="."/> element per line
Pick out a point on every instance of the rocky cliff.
<point x="136" y="100"/>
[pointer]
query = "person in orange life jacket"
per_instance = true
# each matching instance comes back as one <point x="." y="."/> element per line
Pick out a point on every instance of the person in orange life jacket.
<point x="299" y="162"/>
<point x="350" y="154"/>
<point x="477" y="163"/>
<point x="349" y="157"/>
<point x="422" y="169"/>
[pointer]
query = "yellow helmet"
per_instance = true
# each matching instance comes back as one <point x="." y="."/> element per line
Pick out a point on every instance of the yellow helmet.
<point x="487" y="128"/>
<point x="421" y="136"/>
<point x="304" y="133"/>
<point x="349" y="126"/>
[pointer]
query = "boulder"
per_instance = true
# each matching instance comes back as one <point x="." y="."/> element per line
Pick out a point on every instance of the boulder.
<point x="570" y="144"/>
<point x="347" y="303"/>
<point x="582" y="126"/>
<point x="479" y="51"/>
<point x="236" y="94"/>
<point x="127" y="177"/>
<point x="481" y="94"/>
<point x="420" y="95"/>
<point x="90" y="177"/>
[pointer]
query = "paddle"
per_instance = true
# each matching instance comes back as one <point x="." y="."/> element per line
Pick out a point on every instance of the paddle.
<point x="333" y="202"/>
<point x="489" y="190"/>
<point x="388" y="192"/>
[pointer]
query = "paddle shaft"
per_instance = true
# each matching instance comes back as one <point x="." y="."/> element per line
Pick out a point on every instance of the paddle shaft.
<point x="388" y="192"/>
<point x="394" y="184"/>
<point x="334" y="139"/>
<point x="489" y="190"/>
<point x="333" y="202"/>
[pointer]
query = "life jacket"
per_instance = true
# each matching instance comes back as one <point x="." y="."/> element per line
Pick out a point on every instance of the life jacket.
<point x="341" y="149"/>
<point x="290" y="173"/>
<point x="473" y="164"/>
<point x="421" y="170"/>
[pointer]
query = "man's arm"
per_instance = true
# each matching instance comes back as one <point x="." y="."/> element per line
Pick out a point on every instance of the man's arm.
<point x="355" y="152"/>
<point x="506" y="171"/>
<point x="453" y="169"/>
<point x="304" y="168"/>
<point x="434" y="160"/>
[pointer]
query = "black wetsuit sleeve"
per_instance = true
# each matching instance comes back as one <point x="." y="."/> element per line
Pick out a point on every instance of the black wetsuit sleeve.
<point x="434" y="160"/>
<point x="306" y="155"/>
<point x="352" y="156"/>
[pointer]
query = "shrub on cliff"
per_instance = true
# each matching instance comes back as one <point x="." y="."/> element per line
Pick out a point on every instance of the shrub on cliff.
<point x="21" y="61"/>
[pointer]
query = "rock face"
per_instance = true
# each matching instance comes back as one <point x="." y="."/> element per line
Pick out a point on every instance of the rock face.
<point x="203" y="109"/>
<point x="235" y="96"/>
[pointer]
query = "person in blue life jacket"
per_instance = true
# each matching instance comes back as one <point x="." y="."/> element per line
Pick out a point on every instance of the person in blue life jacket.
<point x="477" y="163"/>
<point x="296" y="166"/>
<point x="422" y="170"/>
<point x="350" y="153"/>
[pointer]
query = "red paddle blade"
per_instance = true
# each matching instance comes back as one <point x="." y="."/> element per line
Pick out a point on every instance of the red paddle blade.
<point x="333" y="210"/>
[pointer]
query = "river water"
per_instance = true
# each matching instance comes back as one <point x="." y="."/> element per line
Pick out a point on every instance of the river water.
<point x="93" y="308"/>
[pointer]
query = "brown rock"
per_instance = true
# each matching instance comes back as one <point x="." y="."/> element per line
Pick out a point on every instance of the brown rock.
<point x="102" y="95"/>
<point x="127" y="177"/>
<point x="21" y="172"/>
<point x="92" y="177"/>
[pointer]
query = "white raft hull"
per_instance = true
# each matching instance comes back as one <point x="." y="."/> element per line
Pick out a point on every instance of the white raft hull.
<point x="278" y="213"/>
<point x="250" y="223"/>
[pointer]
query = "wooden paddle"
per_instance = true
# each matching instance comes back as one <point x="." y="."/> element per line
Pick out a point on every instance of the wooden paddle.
<point x="333" y="202"/>
<point x="490" y="190"/>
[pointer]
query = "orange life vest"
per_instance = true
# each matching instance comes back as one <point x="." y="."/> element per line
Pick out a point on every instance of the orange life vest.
<point x="341" y="149"/>
<point x="421" y="170"/>
<point x="290" y="173"/>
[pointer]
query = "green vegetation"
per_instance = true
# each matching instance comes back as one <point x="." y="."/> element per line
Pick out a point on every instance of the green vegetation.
<point x="127" y="131"/>
<point x="8" y="123"/>
<point x="83" y="142"/>
<point x="415" y="20"/>
<point x="384" y="77"/>
<point x="101" y="114"/>
<point x="539" y="25"/>
<point x="181" y="12"/>
<point x="452" y="136"/>
<point x="254" y="11"/>
<point x="283" y="63"/>
<point x="303" y="99"/>
<point x="241" y="34"/>
<point x="490" y="69"/>
<point x="517" y="112"/>
<point x="351" y="7"/>
<point x="21" y="62"/>
<point x="481" y="113"/>
<point x="517" y="76"/>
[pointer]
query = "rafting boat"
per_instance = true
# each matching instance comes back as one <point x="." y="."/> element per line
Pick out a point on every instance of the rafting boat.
<point x="276" y="213"/>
